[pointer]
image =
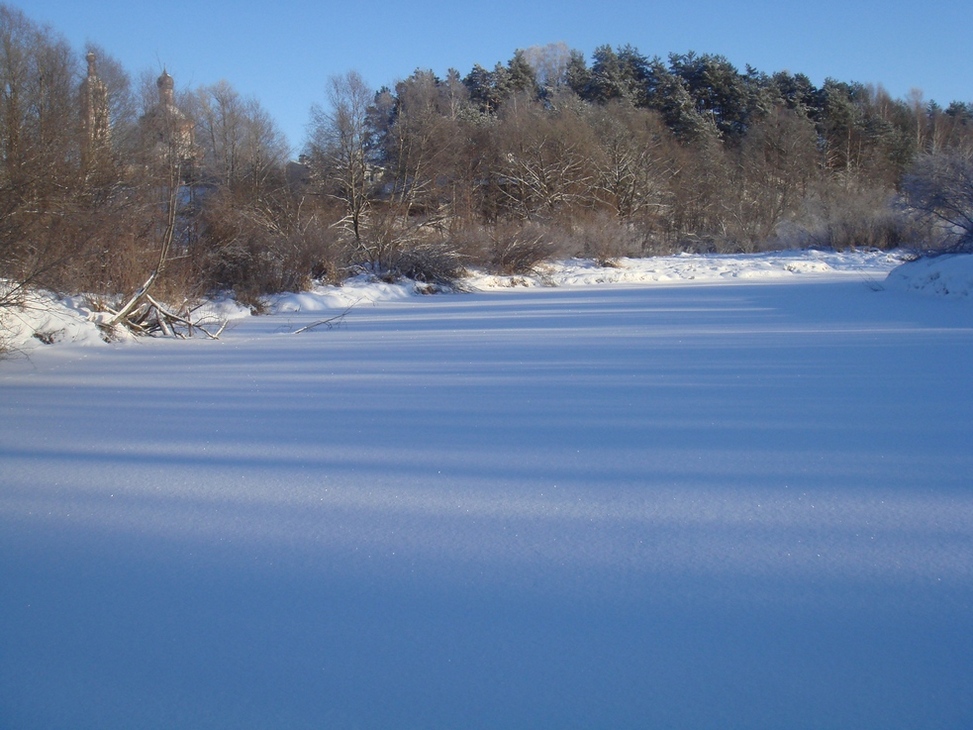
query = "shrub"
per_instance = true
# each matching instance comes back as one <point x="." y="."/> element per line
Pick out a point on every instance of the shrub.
<point x="517" y="248"/>
<point x="844" y="218"/>
<point x="432" y="262"/>
<point x="602" y="237"/>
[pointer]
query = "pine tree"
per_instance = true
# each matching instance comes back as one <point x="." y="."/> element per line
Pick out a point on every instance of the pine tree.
<point x="607" y="81"/>
<point x="521" y="76"/>
<point x="577" y="74"/>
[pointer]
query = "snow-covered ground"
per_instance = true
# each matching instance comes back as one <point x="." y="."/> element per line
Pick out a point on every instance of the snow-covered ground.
<point x="668" y="502"/>
<point x="46" y="320"/>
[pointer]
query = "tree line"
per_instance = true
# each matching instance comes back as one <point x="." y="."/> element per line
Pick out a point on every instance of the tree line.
<point x="109" y="184"/>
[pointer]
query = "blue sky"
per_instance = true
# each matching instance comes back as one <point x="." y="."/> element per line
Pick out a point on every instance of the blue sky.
<point x="283" y="54"/>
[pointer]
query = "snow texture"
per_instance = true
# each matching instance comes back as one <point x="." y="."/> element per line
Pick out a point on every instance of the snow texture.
<point x="737" y="500"/>
<point x="948" y="275"/>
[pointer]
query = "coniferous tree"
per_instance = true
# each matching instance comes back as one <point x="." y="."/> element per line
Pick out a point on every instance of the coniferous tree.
<point x="607" y="81"/>
<point x="674" y="102"/>
<point x="521" y="75"/>
<point x="637" y="75"/>
<point x="577" y="74"/>
<point x="717" y="90"/>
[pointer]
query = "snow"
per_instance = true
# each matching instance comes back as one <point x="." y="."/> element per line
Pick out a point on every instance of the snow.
<point x="725" y="494"/>
<point x="686" y="268"/>
<point x="948" y="275"/>
<point x="45" y="319"/>
<point x="358" y="290"/>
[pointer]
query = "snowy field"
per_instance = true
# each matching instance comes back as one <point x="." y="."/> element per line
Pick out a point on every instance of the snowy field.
<point x="701" y="492"/>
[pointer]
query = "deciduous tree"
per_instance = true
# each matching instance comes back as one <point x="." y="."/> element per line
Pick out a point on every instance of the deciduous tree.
<point x="341" y="149"/>
<point x="939" y="188"/>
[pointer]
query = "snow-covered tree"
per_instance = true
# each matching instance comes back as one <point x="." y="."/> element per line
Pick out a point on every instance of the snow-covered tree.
<point x="939" y="188"/>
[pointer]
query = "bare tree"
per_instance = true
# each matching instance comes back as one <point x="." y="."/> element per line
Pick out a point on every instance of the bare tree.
<point x="939" y="189"/>
<point x="38" y="159"/>
<point x="256" y="230"/>
<point x="772" y="171"/>
<point x="545" y="164"/>
<point x="340" y="149"/>
<point x="241" y="147"/>
<point x="550" y="64"/>
<point x="423" y="140"/>
<point x="633" y="168"/>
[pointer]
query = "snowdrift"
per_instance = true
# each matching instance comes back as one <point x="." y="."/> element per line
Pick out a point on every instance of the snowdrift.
<point x="948" y="275"/>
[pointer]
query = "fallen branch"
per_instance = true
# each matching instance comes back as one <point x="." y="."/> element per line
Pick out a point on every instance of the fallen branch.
<point x="168" y="320"/>
<point x="330" y="323"/>
<point x="122" y="313"/>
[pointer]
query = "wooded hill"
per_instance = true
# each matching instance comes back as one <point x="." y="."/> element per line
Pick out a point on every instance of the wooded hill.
<point x="548" y="154"/>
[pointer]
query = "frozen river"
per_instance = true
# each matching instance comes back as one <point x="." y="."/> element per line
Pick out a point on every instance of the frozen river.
<point x="745" y="505"/>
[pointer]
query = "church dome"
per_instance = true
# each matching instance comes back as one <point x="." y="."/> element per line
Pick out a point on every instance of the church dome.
<point x="165" y="82"/>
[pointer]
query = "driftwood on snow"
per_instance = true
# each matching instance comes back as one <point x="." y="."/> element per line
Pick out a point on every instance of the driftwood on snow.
<point x="144" y="315"/>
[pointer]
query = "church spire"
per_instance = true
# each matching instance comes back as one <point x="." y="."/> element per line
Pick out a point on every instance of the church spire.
<point x="95" y="125"/>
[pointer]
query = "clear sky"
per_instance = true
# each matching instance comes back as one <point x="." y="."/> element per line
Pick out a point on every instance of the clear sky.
<point x="283" y="53"/>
